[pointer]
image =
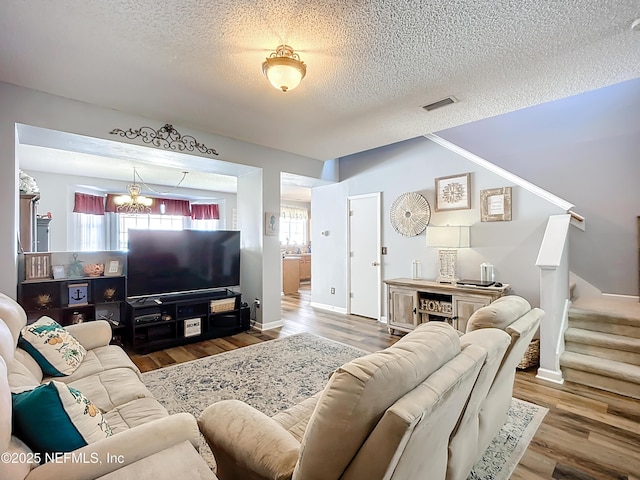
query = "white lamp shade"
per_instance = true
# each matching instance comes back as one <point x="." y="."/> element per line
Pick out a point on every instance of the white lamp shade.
<point x="122" y="199"/>
<point x="146" y="201"/>
<point x="448" y="237"/>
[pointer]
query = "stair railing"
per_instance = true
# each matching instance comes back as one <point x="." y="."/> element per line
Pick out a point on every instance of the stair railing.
<point x="553" y="261"/>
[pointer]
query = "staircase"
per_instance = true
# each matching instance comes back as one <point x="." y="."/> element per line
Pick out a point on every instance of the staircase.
<point x="602" y="345"/>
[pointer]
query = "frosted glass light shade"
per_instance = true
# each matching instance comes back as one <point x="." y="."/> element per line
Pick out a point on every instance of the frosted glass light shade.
<point x="284" y="69"/>
<point x="128" y="199"/>
<point x="122" y="199"/>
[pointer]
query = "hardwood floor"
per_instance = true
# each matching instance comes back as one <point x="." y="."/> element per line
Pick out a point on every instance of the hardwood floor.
<point x="587" y="434"/>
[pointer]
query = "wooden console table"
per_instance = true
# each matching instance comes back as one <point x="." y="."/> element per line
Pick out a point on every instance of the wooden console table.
<point x="412" y="302"/>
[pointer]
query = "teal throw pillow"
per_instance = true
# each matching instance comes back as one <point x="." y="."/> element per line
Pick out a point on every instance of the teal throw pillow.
<point x="54" y="417"/>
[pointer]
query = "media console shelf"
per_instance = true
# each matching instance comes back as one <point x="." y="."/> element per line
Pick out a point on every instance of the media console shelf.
<point x="164" y="321"/>
<point x="412" y="302"/>
<point x="74" y="296"/>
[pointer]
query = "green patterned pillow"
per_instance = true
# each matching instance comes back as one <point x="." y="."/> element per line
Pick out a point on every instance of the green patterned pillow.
<point x="54" y="417"/>
<point x="57" y="352"/>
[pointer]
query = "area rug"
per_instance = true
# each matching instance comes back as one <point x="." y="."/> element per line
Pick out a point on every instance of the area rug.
<point x="278" y="374"/>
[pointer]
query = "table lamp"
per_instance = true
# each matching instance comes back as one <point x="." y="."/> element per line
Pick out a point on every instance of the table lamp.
<point x="448" y="239"/>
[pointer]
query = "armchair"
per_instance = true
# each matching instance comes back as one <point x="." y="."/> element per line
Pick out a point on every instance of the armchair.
<point x="486" y="412"/>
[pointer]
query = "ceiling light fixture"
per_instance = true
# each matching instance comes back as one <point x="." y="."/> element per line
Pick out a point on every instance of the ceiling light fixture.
<point x="284" y="69"/>
<point x="133" y="203"/>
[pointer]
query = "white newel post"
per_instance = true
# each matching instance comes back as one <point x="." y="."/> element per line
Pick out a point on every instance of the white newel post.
<point x="553" y="261"/>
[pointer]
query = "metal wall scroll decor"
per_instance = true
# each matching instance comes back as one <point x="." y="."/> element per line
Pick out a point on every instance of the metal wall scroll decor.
<point x="410" y="214"/>
<point x="166" y="137"/>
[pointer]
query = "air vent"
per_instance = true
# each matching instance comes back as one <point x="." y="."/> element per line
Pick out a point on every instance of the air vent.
<point x="440" y="103"/>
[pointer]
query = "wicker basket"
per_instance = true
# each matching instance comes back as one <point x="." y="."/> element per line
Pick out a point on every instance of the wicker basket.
<point x="531" y="357"/>
<point x="222" y="305"/>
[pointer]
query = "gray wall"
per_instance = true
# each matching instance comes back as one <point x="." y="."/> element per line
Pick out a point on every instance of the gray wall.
<point x="412" y="166"/>
<point x="586" y="150"/>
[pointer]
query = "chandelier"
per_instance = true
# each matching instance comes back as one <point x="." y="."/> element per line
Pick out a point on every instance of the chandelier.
<point x="284" y="69"/>
<point x="133" y="203"/>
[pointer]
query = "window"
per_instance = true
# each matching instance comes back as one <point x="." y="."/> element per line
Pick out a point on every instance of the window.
<point x="294" y="225"/>
<point x="111" y="230"/>
<point x="146" y="222"/>
<point x="89" y="232"/>
<point x="204" y="224"/>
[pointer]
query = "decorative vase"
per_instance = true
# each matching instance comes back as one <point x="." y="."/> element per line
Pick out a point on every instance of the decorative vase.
<point x="75" y="267"/>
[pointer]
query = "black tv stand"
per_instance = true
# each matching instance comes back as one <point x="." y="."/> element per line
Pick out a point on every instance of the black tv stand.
<point x="162" y="321"/>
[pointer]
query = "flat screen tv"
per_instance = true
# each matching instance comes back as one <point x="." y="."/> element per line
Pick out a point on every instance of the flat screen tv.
<point x="167" y="261"/>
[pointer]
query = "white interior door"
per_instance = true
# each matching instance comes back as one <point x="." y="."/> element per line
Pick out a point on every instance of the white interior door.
<point x="365" y="275"/>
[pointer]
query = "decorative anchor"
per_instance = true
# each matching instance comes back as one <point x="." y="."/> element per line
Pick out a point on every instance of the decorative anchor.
<point x="78" y="296"/>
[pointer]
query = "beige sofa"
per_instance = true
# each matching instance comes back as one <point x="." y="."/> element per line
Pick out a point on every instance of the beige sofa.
<point x="421" y="408"/>
<point x="147" y="442"/>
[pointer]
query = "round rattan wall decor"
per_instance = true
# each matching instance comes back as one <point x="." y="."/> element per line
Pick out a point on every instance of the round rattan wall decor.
<point x="410" y="214"/>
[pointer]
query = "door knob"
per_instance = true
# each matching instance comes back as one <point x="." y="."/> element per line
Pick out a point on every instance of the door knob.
<point x="375" y="264"/>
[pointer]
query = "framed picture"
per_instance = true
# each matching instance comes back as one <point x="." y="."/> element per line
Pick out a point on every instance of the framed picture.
<point x="452" y="193"/>
<point x="113" y="267"/>
<point x="58" y="272"/>
<point x="37" y="266"/>
<point x="78" y="294"/>
<point x="495" y="205"/>
<point x="271" y="223"/>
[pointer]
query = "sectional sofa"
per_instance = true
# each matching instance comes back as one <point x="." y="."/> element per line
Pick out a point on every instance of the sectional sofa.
<point x="100" y="421"/>
<point x="425" y="408"/>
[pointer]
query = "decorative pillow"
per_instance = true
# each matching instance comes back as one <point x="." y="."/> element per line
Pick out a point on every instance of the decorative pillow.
<point x="57" y="352"/>
<point x="54" y="417"/>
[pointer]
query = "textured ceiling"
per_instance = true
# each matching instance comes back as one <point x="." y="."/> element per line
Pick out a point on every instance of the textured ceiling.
<point x="371" y="64"/>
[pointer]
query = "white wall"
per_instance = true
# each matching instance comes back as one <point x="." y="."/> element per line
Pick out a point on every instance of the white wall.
<point x="412" y="166"/>
<point x="30" y="107"/>
<point x="57" y="196"/>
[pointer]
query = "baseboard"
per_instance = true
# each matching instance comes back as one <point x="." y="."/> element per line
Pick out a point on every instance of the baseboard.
<point x="550" y="376"/>
<point x="626" y="298"/>
<point x="268" y="326"/>
<point x="330" y="308"/>
<point x="383" y="319"/>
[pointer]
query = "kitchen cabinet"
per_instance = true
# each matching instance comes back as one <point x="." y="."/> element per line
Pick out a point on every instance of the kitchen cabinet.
<point x="290" y="274"/>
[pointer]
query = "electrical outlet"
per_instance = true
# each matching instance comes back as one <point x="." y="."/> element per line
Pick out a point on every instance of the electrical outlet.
<point x="333" y="291"/>
<point x="256" y="302"/>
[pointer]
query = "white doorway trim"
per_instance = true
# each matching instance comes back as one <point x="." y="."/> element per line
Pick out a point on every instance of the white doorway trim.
<point x="376" y="296"/>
